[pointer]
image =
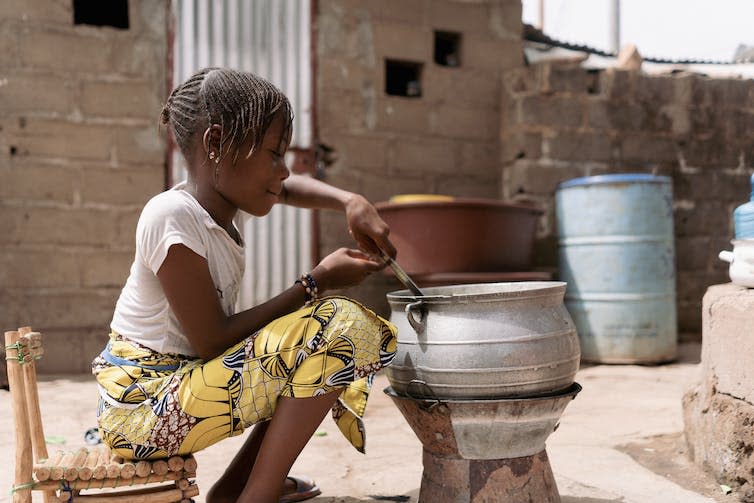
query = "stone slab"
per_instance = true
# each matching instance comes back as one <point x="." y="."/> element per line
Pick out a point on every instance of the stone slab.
<point x="728" y="340"/>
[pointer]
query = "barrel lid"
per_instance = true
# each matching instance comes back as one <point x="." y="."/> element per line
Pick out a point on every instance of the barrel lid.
<point x="614" y="178"/>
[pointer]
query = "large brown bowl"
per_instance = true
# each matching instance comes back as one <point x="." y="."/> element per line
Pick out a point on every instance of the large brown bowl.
<point x="461" y="235"/>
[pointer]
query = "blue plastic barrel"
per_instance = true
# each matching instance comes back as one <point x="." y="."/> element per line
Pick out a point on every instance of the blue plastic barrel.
<point x="743" y="217"/>
<point x="617" y="255"/>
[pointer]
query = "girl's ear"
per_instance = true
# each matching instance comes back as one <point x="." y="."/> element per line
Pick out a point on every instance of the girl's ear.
<point x="211" y="138"/>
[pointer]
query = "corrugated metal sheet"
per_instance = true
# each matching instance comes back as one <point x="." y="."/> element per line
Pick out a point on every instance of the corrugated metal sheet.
<point x="270" y="38"/>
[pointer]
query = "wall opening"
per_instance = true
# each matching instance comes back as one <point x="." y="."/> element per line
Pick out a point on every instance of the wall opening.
<point x="403" y="78"/>
<point x="447" y="48"/>
<point x="112" y="13"/>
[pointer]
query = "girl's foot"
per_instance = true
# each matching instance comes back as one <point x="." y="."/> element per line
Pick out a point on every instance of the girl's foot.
<point x="299" y="489"/>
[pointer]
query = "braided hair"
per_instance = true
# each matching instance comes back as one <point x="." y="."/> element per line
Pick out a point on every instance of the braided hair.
<point x="240" y="102"/>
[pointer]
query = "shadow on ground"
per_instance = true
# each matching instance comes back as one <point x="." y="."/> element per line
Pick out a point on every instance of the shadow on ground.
<point x="668" y="455"/>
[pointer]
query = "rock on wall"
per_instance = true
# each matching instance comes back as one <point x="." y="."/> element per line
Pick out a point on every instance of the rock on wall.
<point x="719" y="410"/>
<point x="561" y="121"/>
<point x="80" y="154"/>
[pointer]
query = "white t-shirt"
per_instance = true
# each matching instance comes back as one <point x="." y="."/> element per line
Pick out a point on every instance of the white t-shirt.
<point x="142" y="313"/>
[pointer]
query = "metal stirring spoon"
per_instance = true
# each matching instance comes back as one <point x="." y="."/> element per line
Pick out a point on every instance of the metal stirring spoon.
<point x="401" y="275"/>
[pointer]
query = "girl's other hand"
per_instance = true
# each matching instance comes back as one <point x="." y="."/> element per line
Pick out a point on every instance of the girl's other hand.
<point x="343" y="268"/>
<point x="367" y="228"/>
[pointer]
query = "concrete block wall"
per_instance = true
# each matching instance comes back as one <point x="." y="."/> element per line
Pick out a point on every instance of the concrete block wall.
<point x="561" y="121"/>
<point x="80" y="154"/>
<point x="445" y="141"/>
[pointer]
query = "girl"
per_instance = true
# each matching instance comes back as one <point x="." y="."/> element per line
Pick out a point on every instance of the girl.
<point x="182" y="370"/>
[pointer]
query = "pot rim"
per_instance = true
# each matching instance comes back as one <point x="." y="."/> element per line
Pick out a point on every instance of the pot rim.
<point x="462" y="202"/>
<point x="569" y="392"/>
<point x="522" y="290"/>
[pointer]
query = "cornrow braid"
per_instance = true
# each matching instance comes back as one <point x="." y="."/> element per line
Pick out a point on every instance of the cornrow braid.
<point x="240" y="102"/>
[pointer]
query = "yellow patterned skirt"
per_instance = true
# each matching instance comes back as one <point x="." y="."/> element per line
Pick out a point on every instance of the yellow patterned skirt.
<point x="155" y="405"/>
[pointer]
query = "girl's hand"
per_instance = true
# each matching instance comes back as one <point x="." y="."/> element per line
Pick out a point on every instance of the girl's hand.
<point x="343" y="268"/>
<point x="367" y="228"/>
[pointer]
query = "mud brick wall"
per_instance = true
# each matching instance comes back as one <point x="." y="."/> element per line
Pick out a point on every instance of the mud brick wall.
<point x="445" y="141"/>
<point x="561" y="121"/>
<point x="80" y="154"/>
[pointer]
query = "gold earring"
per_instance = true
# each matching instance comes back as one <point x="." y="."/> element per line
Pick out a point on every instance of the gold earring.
<point x="217" y="161"/>
<point x="211" y="155"/>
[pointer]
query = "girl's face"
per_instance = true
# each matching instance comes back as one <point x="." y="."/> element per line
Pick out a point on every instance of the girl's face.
<point x="254" y="183"/>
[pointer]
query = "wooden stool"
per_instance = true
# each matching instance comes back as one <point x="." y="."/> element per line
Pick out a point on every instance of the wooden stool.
<point x="63" y="476"/>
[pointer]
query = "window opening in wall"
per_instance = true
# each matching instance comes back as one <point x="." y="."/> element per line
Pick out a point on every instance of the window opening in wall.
<point x="447" y="48"/>
<point x="101" y="13"/>
<point x="403" y="78"/>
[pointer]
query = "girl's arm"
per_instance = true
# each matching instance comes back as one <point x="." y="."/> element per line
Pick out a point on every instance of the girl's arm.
<point x="188" y="286"/>
<point x="364" y="224"/>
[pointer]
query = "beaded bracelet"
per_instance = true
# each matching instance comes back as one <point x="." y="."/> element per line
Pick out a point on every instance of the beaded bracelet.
<point x="310" y="286"/>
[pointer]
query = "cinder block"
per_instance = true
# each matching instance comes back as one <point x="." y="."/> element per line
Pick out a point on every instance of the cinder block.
<point x="121" y="186"/>
<point x="464" y="185"/>
<point x="647" y="148"/>
<point x="696" y="253"/>
<point x="651" y="90"/>
<point x="459" y="16"/>
<point x="362" y="151"/>
<point x="348" y="74"/>
<point x="615" y="116"/>
<point x="64" y="51"/>
<point x="62" y="139"/>
<point x="8" y="46"/>
<point x="25" y="268"/>
<point x="402" y="115"/>
<point x="58" y="226"/>
<point x="139" y="58"/>
<point x="423" y="155"/>
<point x="533" y="177"/>
<point x="71" y="308"/>
<point x="125" y="224"/>
<point x="491" y="54"/>
<point x="568" y="146"/>
<point x="382" y="186"/>
<point x="505" y="19"/>
<point x="35" y="11"/>
<point x="148" y="19"/>
<point x="131" y="99"/>
<point x="403" y="42"/>
<point x="465" y="122"/>
<point x="69" y="351"/>
<point x="25" y="93"/>
<point x="618" y="84"/>
<point x="107" y="269"/>
<point x="478" y="157"/>
<point x="727" y="321"/>
<point x="460" y="85"/>
<point x="700" y="219"/>
<point x="570" y="78"/>
<point x="555" y="112"/>
<point x="718" y="412"/>
<point x="140" y="144"/>
<point x="346" y="111"/>
<point x="413" y="13"/>
<point x="29" y="181"/>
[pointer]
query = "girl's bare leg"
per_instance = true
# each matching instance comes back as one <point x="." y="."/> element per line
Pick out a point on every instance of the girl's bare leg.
<point x="294" y="422"/>
<point x="231" y="483"/>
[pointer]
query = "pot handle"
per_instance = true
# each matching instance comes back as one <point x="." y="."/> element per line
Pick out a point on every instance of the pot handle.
<point x="421" y="324"/>
<point x="726" y="256"/>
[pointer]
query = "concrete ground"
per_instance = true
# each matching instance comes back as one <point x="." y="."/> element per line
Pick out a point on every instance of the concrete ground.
<point x="620" y="440"/>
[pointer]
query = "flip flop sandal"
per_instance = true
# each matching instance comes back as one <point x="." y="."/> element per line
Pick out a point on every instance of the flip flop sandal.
<point x="306" y="488"/>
